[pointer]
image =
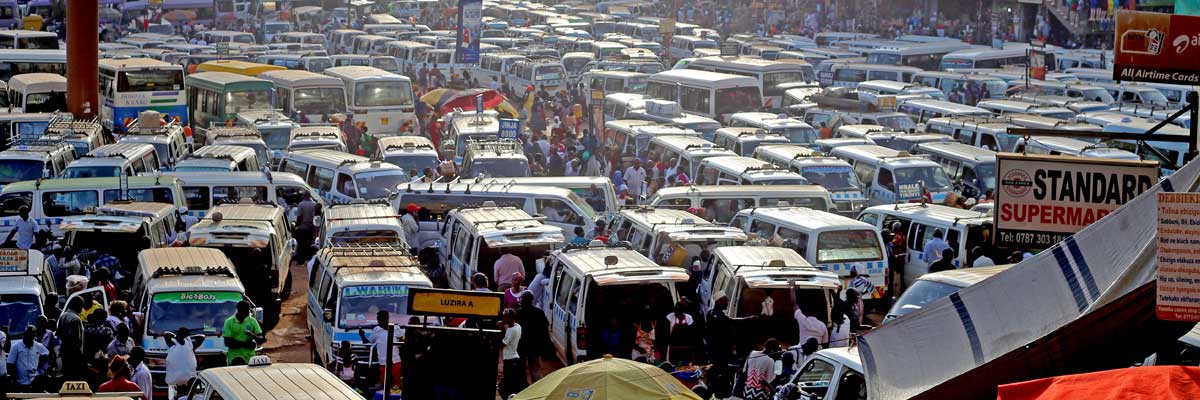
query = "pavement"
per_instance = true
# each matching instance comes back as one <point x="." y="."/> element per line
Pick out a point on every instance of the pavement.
<point x="288" y="340"/>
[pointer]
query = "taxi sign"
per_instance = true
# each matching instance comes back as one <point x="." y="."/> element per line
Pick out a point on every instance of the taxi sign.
<point x="14" y="261"/>
<point x="75" y="388"/>
<point x="458" y="303"/>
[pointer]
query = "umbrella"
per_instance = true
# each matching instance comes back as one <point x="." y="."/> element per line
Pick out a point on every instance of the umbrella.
<point x="1159" y="382"/>
<point x="446" y="100"/>
<point x="179" y="15"/>
<point x="608" y="378"/>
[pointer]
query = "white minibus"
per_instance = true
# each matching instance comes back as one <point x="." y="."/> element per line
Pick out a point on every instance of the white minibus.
<point x="708" y="94"/>
<point x="381" y="99"/>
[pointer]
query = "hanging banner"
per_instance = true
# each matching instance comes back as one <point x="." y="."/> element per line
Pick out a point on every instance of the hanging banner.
<point x="1156" y="47"/>
<point x="1043" y="199"/>
<point x="470" y="26"/>
<point x="1178" y="292"/>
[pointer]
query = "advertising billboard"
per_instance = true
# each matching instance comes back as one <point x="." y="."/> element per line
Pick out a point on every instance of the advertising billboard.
<point x="1156" y="47"/>
<point x="470" y="26"/>
<point x="1178" y="297"/>
<point x="1043" y="199"/>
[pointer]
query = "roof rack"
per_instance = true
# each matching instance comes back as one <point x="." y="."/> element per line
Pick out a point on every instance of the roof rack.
<point x="66" y="124"/>
<point x="194" y="270"/>
<point x="621" y="245"/>
<point x="367" y="250"/>
<point x="497" y="145"/>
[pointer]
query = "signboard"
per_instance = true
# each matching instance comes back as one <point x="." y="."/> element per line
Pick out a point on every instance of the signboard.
<point x="1178" y="296"/>
<point x="470" y="26"/>
<point x="1040" y="200"/>
<point x="14" y="261"/>
<point x="510" y="128"/>
<point x="730" y="49"/>
<point x="910" y="191"/>
<point x="1155" y="47"/>
<point x="459" y="303"/>
<point x="667" y="25"/>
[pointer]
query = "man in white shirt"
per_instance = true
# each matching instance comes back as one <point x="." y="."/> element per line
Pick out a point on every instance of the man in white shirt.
<point x="409" y="223"/>
<point x="514" y="369"/>
<point x="811" y="327"/>
<point x="25" y="229"/>
<point x="141" y="374"/>
<point x="504" y="268"/>
<point x="181" y="358"/>
<point x="981" y="258"/>
<point x="25" y="357"/>
<point x="635" y="177"/>
<point x="379" y="340"/>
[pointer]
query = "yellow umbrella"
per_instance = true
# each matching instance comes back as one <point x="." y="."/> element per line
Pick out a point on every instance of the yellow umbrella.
<point x="608" y="378"/>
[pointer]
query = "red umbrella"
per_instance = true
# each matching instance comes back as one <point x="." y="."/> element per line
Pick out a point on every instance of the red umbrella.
<point x="466" y="100"/>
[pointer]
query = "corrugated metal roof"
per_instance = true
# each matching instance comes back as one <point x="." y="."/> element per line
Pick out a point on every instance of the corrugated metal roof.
<point x="278" y="382"/>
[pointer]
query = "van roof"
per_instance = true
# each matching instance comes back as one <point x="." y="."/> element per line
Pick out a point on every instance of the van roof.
<point x="278" y="382"/>
<point x="957" y="149"/>
<point x="137" y="208"/>
<point x="651" y="217"/>
<point x="847" y="356"/>
<point x="341" y="216"/>
<point x="124" y="150"/>
<point x="934" y="212"/>
<point x="359" y="263"/>
<point x="740" y="164"/>
<point x="171" y="268"/>
<point x="757" y="134"/>
<point x="807" y="218"/>
<point x="750" y="263"/>
<point x="238" y="177"/>
<point x="342" y="161"/>
<point x="499" y="222"/>
<point x="965" y="277"/>
<point x="300" y="78"/>
<point x="743" y="190"/>
<point x="403" y="143"/>
<point x="590" y="261"/>
<point x="691" y="145"/>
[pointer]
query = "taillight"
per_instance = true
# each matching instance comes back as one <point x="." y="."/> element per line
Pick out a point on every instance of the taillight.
<point x="581" y="338"/>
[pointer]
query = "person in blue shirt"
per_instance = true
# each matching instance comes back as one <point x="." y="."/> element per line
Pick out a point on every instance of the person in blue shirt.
<point x="580" y="238"/>
<point x="935" y="247"/>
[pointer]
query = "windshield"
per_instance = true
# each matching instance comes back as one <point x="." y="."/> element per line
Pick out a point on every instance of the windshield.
<point x="414" y="162"/>
<point x="276" y="138"/>
<point x="921" y="293"/>
<point x="986" y="175"/>
<point x="319" y="102"/>
<point x="1098" y="94"/>
<point x="18" y="311"/>
<point x="276" y="28"/>
<point x="46" y="102"/>
<point x="635" y="85"/>
<point x="20" y="170"/>
<point x="150" y="80"/>
<point x="848" y="246"/>
<point x="319" y="65"/>
<point x="1152" y="96"/>
<point x="383" y="94"/>
<point x="584" y="208"/>
<point x="360" y="304"/>
<point x="548" y="73"/>
<point x="885" y="59"/>
<point x="994" y="89"/>
<point x="42" y="43"/>
<point x="499" y="168"/>
<point x="772" y="81"/>
<point x="799" y="135"/>
<point x="200" y="312"/>
<point x="832" y="178"/>
<point x="92" y="172"/>
<point x="780" y="181"/>
<point x="934" y="178"/>
<point x="186" y="168"/>
<point x="1008" y="142"/>
<point x="379" y="184"/>
<point x="386" y="64"/>
<point x="897" y="122"/>
<point x="575" y="65"/>
<point x="739" y="99"/>
<point x="236" y="102"/>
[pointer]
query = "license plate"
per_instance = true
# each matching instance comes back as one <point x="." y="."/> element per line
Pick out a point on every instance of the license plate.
<point x="384" y="121"/>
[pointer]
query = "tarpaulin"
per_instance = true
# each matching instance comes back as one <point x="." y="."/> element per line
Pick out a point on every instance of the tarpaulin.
<point x="1142" y="383"/>
<point x="1010" y="316"/>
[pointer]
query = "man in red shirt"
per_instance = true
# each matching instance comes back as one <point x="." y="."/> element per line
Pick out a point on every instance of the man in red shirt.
<point x="120" y="381"/>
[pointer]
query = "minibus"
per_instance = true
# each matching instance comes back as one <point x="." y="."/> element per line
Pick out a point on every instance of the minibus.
<point x="23" y="61"/>
<point x="30" y="159"/>
<point x="114" y="160"/>
<point x="201" y="191"/>
<point x="738" y="170"/>
<point x="411" y="153"/>
<point x="597" y="285"/>
<point x="562" y="207"/>
<point x="938" y="285"/>
<point x="828" y="241"/>
<point x="130" y="86"/>
<point x="672" y="237"/>
<point x="538" y="74"/>
<point x="686" y="152"/>
<point x="685" y="46"/>
<point x="219" y="158"/>
<point x="926" y="56"/>
<point x="473" y="238"/>
<point x="987" y="133"/>
<point x="597" y="191"/>
<point x="1007" y="107"/>
<point x="871" y="91"/>
<point x="26" y="39"/>
<point x="962" y="229"/>
<point x="239" y="67"/>
<point x="922" y="110"/>
<point x="769" y="74"/>
<point x="315" y="137"/>
<point x="37" y="93"/>
<point x="743" y="141"/>
<point x="462" y="127"/>
<point x="381" y="99"/>
<point x="833" y="174"/>
<point x="632" y="137"/>
<point x="794" y="129"/>
<point x="987" y="57"/>
<point x="309" y="96"/>
<point x="890" y="176"/>
<point x="708" y="94"/>
<point x="971" y="168"/>
<point x="257" y="239"/>
<point x="851" y="74"/>
<point x="215" y="98"/>
<point x="356" y="176"/>
<point x="965" y="89"/>
<point x="58" y="198"/>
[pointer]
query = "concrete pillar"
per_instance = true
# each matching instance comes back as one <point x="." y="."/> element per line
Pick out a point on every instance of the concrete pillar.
<point x="83" y="49"/>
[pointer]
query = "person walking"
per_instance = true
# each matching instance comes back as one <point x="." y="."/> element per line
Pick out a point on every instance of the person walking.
<point x="25" y="358"/>
<point x="680" y="335"/>
<point x="242" y="334"/>
<point x="379" y="341"/>
<point x="141" y="374"/>
<point x="514" y="377"/>
<point x="25" y="230"/>
<point x="181" y="358"/>
<point x="535" y="336"/>
<point x="721" y="345"/>
<point x="306" y="228"/>
<point x="70" y="334"/>
<point x="760" y="371"/>
<point x="635" y="177"/>
<point x="946" y="263"/>
<point x="121" y="343"/>
<point x="899" y="256"/>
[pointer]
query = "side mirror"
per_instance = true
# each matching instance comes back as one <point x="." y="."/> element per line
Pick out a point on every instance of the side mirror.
<point x="258" y="313"/>
<point x="328" y="315"/>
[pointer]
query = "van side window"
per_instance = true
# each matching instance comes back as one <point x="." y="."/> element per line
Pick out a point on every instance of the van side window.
<point x="560" y="297"/>
<point x="765" y="230"/>
<point x="61" y="204"/>
<point x="865" y="172"/>
<point x="345" y="185"/>
<point x="10" y="204"/>
<point x="196" y="197"/>
<point x="295" y="167"/>
<point x="739" y="222"/>
<point x="723" y="209"/>
<point x="557" y="211"/>
<point x="872" y="219"/>
<point x="320" y="178"/>
<point x="886" y="180"/>
<point x="794" y="240"/>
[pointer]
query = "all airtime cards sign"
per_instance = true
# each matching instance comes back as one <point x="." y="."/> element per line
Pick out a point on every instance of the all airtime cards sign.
<point x="1155" y="47"/>
<point x="1040" y="200"/>
<point x="1178" y="278"/>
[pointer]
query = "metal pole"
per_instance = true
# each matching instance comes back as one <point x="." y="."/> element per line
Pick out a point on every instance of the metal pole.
<point x="83" y="41"/>
<point x="1193" y="107"/>
<point x="387" y="368"/>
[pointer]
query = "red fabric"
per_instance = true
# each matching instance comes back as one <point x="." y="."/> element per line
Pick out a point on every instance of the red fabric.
<point x="119" y="384"/>
<point x="1157" y="383"/>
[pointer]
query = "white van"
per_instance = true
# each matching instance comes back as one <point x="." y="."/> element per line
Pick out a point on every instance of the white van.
<point x="294" y="380"/>
<point x="872" y="91"/>
<point x="931" y="287"/>
<point x="474" y="238"/>
<point x="112" y="160"/>
<point x="598" y="191"/>
<point x="738" y="170"/>
<point x="850" y="74"/>
<point x="362" y="223"/>
<point x="632" y="137"/>
<point x="169" y="141"/>
<point x="122" y="229"/>
<point x="561" y="207"/>
<point x="30" y="160"/>
<point x="963" y="230"/>
<point x="831" y="173"/>
<point x="410" y="153"/>
<point x="1005" y="107"/>
<point x="348" y="285"/>
<point x="50" y="200"/>
<point x="720" y="203"/>
<point x="258" y="239"/>
<point x="889" y="176"/>
<point x="972" y="169"/>
<point x="743" y="141"/>
<point x="987" y="133"/>
<point x="315" y="137"/>
<point x="687" y="151"/>
<point x="201" y="191"/>
<point x="830" y="242"/>
<point x="596" y="285"/>
<point x="1072" y="147"/>
<point x="315" y="96"/>
<point x="965" y="89"/>
<point x="672" y="237"/>
<point x="922" y="110"/>
<point x="381" y="99"/>
<point x="219" y="158"/>
<point x="340" y="177"/>
<point x="37" y="92"/>
<point x="794" y="129"/>
<point x="748" y="275"/>
<point x="464" y="126"/>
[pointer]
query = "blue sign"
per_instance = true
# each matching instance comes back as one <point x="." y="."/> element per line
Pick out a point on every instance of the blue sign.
<point x="470" y="27"/>
<point x="510" y="128"/>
